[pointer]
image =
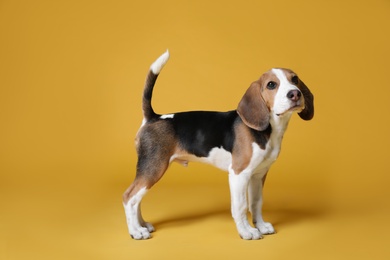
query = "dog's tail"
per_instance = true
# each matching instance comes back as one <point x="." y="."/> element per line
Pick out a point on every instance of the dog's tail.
<point x="154" y="71"/>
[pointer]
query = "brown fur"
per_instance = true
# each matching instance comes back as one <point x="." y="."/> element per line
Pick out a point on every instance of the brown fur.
<point x="242" y="151"/>
<point x="154" y="154"/>
<point x="253" y="109"/>
<point x="268" y="95"/>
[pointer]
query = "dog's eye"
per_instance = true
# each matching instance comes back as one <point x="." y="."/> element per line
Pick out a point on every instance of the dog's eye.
<point x="271" y="85"/>
<point x="295" y="80"/>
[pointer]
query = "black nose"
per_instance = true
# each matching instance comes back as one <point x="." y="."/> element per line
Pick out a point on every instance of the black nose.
<point x="294" y="95"/>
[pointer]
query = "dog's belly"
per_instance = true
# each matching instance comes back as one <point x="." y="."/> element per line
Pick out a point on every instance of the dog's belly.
<point x="217" y="157"/>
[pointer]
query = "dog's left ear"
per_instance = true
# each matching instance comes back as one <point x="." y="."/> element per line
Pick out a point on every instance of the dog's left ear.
<point x="252" y="108"/>
<point x="308" y="112"/>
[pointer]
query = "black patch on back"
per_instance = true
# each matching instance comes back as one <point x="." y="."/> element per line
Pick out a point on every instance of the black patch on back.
<point x="200" y="131"/>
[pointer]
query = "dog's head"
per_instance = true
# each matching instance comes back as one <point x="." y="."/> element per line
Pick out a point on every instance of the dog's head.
<point x="277" y="92"/>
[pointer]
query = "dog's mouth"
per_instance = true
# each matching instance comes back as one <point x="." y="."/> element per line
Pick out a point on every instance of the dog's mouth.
<point x="295" y="108"/>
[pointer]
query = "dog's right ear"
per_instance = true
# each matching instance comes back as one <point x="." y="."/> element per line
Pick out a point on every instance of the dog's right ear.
<point x="308" y="112"/>
<point x="252" y="108"/>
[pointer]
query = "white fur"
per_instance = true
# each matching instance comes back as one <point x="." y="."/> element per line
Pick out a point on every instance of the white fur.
<point x="138" y="228"/>
<point x="167" y="116"/>
<point x="255" y="201"/>
<point x="143" y="122"/>
<point x="281" y="102"/>
<point x="238" y="184"/>
<point x="220" y="158"/>
<point x="217" y="157"/>
<point x="159" y="63"/>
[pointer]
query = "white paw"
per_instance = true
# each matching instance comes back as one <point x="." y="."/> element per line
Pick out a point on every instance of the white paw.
<point x="149" y="227"/>
<point x="140" y="233"/>
<point x="250" y="233"/>
<point x="265" y="228"/>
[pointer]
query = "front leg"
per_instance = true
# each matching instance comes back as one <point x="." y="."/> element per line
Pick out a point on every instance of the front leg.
<point x="238" y="189"/>
<point x="255" y="192"/>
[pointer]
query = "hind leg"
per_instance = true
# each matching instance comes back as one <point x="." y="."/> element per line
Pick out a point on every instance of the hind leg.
<point x="143" y="223"/>
<point x="132" y="204"/>
<point x="154" y="153"/>
<point x="148" y="173"/>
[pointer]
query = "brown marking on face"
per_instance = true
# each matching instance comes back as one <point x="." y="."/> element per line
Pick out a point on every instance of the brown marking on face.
<point x="269" y="94"/>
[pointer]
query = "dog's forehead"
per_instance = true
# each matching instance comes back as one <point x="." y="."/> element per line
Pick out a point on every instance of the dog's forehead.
<point x="269" y="76"/>
<point x="283" y="73"/>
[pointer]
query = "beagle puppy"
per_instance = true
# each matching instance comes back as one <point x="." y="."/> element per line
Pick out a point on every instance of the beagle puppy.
<point x="244" y="142"/>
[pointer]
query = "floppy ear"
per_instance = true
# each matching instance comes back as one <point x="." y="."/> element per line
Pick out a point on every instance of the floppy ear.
<point x="252" y="108"/>
<point x="308" y="112"/>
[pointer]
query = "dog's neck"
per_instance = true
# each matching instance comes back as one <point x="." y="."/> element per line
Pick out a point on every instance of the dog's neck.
<point x="279" y="124"/>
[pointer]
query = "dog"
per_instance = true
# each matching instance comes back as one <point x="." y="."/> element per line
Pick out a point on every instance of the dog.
<point x="244" y="142"/>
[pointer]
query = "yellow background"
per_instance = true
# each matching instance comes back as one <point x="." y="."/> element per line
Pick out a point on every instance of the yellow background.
<point x="71" y="78"/>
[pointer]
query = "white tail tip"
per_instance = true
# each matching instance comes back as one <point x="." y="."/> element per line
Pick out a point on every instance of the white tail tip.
<point x="159" y="63"/>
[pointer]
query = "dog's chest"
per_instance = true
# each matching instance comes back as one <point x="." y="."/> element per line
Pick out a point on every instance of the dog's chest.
<point x="263" y="158"/>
